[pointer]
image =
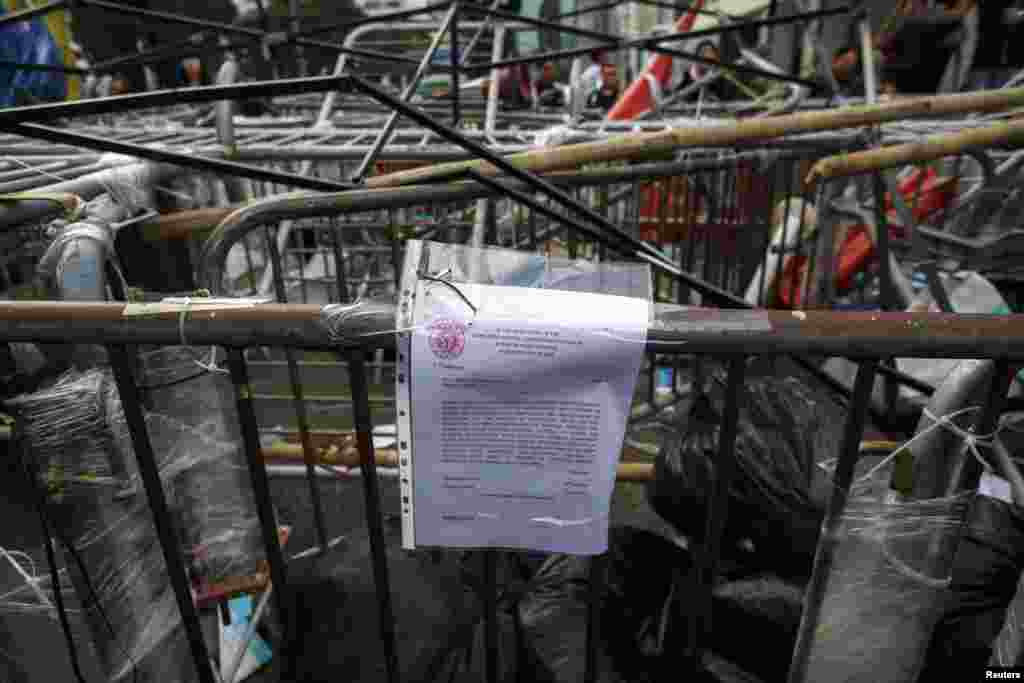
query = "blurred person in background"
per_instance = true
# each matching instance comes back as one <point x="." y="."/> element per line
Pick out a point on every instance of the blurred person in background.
<point x="607" y="92"/>
<point x="192" y="73"/>
<point x="726" y="88"/>
<point x="999" y="54"/>
<point x="546" y="91"/>
<point x="120" y="85"/>
<point x="513" y="86"/>
<point x="891" y="50"/>
<point x="589" y="79"/>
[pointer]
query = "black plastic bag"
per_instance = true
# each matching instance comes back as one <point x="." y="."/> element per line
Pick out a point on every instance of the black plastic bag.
<point x="639" y="619"/>
<point x="787" y="425"/>
<point x="464" y="658"/>
<point x="986" y="569"/>
<point x="553" y="617"/>
<point x="639" y="571"/>
<point x="765" y="605"/>
<point x="645" y="618"/>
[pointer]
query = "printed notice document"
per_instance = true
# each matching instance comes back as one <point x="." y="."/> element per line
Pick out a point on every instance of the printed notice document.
<point x="516" y="406"/>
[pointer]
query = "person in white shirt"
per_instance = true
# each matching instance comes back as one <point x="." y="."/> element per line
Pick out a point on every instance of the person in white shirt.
<point x="590" y="79"/>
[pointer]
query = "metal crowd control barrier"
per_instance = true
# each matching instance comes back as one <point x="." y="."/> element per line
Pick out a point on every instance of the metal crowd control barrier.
<point x="716" y="232"/>
<point x="712" y="211"/>
<point x="867" y="337"/>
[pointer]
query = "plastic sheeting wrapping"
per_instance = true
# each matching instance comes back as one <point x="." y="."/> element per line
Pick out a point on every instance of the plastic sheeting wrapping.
<point x="643" y="624"/>
<point x="75" y="432"/>
<point x="464" y="660"/>
<point x="885" y="593"/>
<point x="985" y="574"/>
<point x="888" y="586"/>
<point x="886" y="589"/>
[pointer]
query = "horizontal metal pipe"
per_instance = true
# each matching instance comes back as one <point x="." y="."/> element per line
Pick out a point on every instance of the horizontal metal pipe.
<point x="177" y="96"/>
<point x="201" y="163"/>
<point x="675" y="329"/>
<point x="388" y="457"/>
<point x="28" y="147"/>
<point x="267" y="211"/>
<point x="232" y="29"/>
<point x="380" y="18"/>
<point x="40" y="181"/>
<point x="155" y="53"/>
<point x="354" y="152"/>
<point x="654" y="3"/>
<point x="554" y="26"/>
<point x="644" y="145"/>
<point x="345" y="472"/>
<point x="930" y="149"/>
<point x="17" y="213"/>
<point x="32" y="170"/>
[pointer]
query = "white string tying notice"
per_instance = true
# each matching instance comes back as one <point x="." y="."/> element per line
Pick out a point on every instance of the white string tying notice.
<point x="210" y="365"/>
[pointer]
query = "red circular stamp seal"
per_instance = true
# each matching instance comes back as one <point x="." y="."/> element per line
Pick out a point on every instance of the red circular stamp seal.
<point x="447" y="338"/>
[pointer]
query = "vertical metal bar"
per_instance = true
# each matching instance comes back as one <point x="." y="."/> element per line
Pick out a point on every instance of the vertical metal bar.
<point x="714" y="215"/>
<point x="389" y="127"/>
<point x="490" y="616"/>
<point x="707" y="562"/>
<point x="783" y="251"/>
<point x="995" y="401"/>
<point x="768" y="235"/>
<point x="652" y="375"/>
<point x="374" y="524"/>
<point x="571" y="233"/>
<point x="635" y="210"/>
<point x="812" y="249"/>
<point x="34" y="480"/>
<point x="301" y="249"/>
<point x="688" y="256"/>
<point x="484" y="25"/>
<point x="300" y="55"/>
<point x="728" y="238"/>
<point x="497" y="51"/>
<point x="798" y="252"/>
<point x="492" y="221"/>
<point x="454" y="60"/>
<point x="867" y="52"/>
<point x="889" y="296"/>
<point x="663" y="202"/>
<point x="823" y="256"/>
<point x="533" y="230"/>
<point x="594" y="603"/>
<point x="121" y="361"/>
<point x="823" y="559"/>
<point x="396" y="250"/>
<point x="264" y="503"/>
<point x="308" y="454"/>
<point x="938" y="292"/>
<point x="340" y="275"/>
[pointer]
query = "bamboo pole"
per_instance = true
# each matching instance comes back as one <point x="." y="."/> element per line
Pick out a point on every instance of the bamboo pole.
<point x="937" y="147"/>
<point x="185" y="224"/>
<point x="348" y="456"/>
<point x="641" y="145"/>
